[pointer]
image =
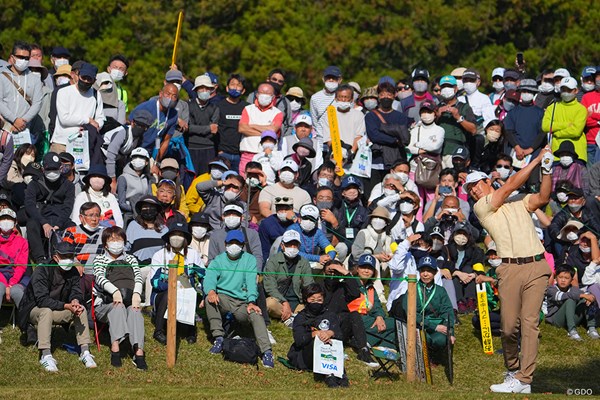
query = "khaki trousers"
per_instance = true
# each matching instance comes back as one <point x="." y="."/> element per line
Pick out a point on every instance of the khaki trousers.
<point x="521" y="290"/>
<point x="44" y="318"/>
<point x="275" y="307"/>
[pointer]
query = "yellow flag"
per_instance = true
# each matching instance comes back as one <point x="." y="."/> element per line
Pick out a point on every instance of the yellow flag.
<point x="336" y="143"/>
<point x="484" y="319"/>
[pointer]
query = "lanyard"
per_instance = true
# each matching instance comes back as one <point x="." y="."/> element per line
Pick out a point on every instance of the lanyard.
<point x="365" y="291"/>
<point x="158" y="126"/>
<point x="350" y="217"/>
<point x="420" y="292"/>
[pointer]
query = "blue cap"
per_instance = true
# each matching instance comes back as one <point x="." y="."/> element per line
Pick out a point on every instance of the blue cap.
<point x="332" y="70"/>
<point x="448" y="80"/>
<point x="387" y="79"/>
<point x="350" y="181"/>
<point x="427" y="261"/>
<point x="588" y="71"/>
<point x="89" y="70"/>
<point x="227" y="174"/>
<point x="236" y="235"/>
<point x="214" y="79"/>
<point x="368" y="260"/>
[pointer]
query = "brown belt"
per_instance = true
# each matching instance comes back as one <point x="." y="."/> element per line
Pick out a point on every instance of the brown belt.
<point x="523" y="260"/>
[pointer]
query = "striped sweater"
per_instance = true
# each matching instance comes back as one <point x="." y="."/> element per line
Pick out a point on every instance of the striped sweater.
<point x="103" y="284"/>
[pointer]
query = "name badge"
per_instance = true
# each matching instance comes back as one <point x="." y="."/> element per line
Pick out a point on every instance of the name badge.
<point x="349" y="233"/>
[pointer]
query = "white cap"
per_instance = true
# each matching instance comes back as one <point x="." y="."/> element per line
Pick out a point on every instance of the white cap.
<point x="562" y="72"/>
<point x="140" y="152"/>
<point x="310" y="211"/>
<point x="290" y="236"/>
<point x="289" y="163"/>
<point x="303" y="119"/>
<point x="569" y="82"/>
<point x="233" y="207"/>
<point x="9" y="212"/>
<point x="473" y="177"/>
<point x="498" y="72"/>
<point x="203" y="80"/>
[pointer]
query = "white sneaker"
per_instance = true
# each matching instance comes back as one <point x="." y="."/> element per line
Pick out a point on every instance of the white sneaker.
<point x="88" y="359"/>
<point x="511" y="385"/>
<point x="49" y="363"/>
<point x="574" y="335"/>
<point x="271" y="338"/>
<point x="593" y="333"/>
<point x="289" y="323"/>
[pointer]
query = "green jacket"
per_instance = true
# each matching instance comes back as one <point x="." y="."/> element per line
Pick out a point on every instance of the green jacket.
<point x="276" y="276"/>
<point x="568" y="123"/>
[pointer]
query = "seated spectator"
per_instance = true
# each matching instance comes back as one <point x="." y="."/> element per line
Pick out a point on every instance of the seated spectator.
<point x="324" y="200"/>
<point x="189" y="263"/>
<point x="496" y="137"/>
<point x="286" y="187"/>
<point x="303" y="151"/>
<point x="54" y="296"/>
<point x="303" y="124"/>
<point x="68" y="170"/>
<point x="234" y="292"/>
<point x="256" y="181"/>
<point x="568" y="304"/>
<point x="581" y="252"/>
<point x="273" y="227"/>
<point x="24" y="155"/>
<point x="217" y="167"/>
<point x="314" y="320"/>
<point x="569" y="167"/>
<point x="502" y="171"/>
<point x="391" y="194"/>
<point x="400" y="170"/>
<point x="447" y="215"/>
<point x="118" y="298"/>
<point x="490" y="280"/>
<point x="134" y="182"/>
<point x="591" y="279"/>
<point x="216" y="194"/>
<point x="14" y="252"/>
<point x="407" y="217"/>
<point x="352" y="215"/>
<point x="113" y="108"/>
<point x="96" y="188"/>
<point x="200" y="229"/>
<point x="173" y="197"/>
<point x="325" y="176"/>
<point x="286" y="273"/>
<point x="314" y="246"/>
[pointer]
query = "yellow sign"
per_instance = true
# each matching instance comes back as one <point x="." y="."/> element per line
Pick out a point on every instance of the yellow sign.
<point x="484" y="319"/>
<point x="336" y="143"/>
<point x="177" y="35"/>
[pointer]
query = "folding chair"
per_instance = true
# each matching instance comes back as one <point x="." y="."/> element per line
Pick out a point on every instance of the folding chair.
<point x="386" y="355"/>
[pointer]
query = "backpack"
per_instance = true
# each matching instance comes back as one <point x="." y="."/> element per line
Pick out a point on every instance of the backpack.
<point x="123" y="278"/>
<point x="242" y="351"/>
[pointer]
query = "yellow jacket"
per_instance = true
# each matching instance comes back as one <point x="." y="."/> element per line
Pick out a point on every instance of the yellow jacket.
<point x="183" y="208"/>
<point x="194" y="202"/>
<point x="568" y="124"/>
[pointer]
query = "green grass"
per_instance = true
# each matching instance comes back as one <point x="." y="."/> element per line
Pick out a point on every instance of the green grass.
<point x="562" y="364"/>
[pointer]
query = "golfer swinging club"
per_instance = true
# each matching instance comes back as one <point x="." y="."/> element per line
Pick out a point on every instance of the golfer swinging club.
<point x="523" y="274"/>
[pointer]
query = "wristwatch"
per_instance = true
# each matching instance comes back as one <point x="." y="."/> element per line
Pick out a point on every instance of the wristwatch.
<point x="461" y="119"/>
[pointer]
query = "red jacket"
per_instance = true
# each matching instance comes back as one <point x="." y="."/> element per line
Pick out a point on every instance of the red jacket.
<point x="14" y="253"/>
<point x="591" y="101"/>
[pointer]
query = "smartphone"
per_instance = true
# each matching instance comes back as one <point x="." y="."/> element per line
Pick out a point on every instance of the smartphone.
<point x="520" y="58"/>
<point x="445" y="190"/>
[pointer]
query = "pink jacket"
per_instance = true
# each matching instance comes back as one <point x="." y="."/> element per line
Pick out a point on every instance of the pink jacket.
<point x="14" y="253"/>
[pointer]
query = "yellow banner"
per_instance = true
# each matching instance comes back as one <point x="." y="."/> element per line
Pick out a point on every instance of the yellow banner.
<point x="484" y="319"/>
<point x="336" y="143"/>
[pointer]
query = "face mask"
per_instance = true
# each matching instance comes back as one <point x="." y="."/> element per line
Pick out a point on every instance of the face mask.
<point x="324" y="205"/>
<point x="315" y="308"/>
<point x="166" y="102"/>
<point x="254" y="182"/>
<point x="460" y="239"/>
<point x="97" y="183"/>
<point x="65" y="264"/>
<point x="21" y="65"/>
<point x="302" y="152"/>
<point x="149" y="215"/>
<point x="199" y="232"/>
<point x="406" y="208"/>
<point x="527" y="97"/>
<point x="546" y="87"/>
<point x="264" y="99"/>
<point x="420" y="86"/>
<point x="343" y="105"/>
<point x="216" y="174"/>
<point x="386" y="104"/>
<point x="447" y="93"/>
<point x="62" y="80"/>
<point x="370" y="104"/>
<point x="282" y="216"/>
<point x="307" y="225"/>
<point x="116" y="74"/>
<point x="52" y="176"/>
<point x="572" y="236"/>
<point x="565" y="161"/>
<point x="291" y="252"/>
<point x="389" y="192"/>
<point x="233" y="221"/>
<point x="350" y="197"/>
<point x="233" y="250"/>
<point x="138" y="164"/>
<point x="567" y="97"/>
<point x="588" y="87"/>
<point x="470" y="87"/>
<point x="324" y="182"/>
<point x="83" y="86"/>
<point x="229" y="195"/>
<point x="575" y="207"/>
<point x="503" y="172"/>
<point x="234" y="93"/>
<point x="459" y="84"/>
<point x="176" y="242"/>
<point x="203" y="95"/>
<point x="404" y="94"/>
<point x="171" y="175"/>
<point x="268" y="146"/>
<point x="287" y="177"/>
<point x="437" y="245"/>
<point x="401" y="176"/>
<point x="27" y="179"/>
<point x="460" y="166"/>
<point x="7" y="225"/>
<point x="585" y="249"/>
<point x="60" y="61"/>
<point x="294" y="105"/>
<point x="90" y="228"/>
<point x="562" y="197"/>
<point x="331" y="86"/>
<point x="510" y="86"/>
<point x="378" y="224"/>
<point x="427" y="118"/>
<point x="115" y="248"/>
<point x="508" y="105"/>
<point x="498" y="86"/>
<point x="495" y="262"/>
<point x="26" y="159"/>
<point x="493" y="136"/>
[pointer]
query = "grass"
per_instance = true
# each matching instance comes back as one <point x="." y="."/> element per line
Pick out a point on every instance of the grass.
<point x="562" y="364"/>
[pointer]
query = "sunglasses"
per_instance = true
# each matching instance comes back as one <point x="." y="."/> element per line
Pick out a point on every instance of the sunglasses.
<point x="286" y="199"/>
<point x="497" y="79"/>
<point x="21" y="57"/>
<point x="405" y="87"/>
<point x="436" y="90"/>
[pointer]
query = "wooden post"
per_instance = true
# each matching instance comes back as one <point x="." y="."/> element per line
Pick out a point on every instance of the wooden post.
<point x="411" y="323"/>
<point x="172" y="314"/>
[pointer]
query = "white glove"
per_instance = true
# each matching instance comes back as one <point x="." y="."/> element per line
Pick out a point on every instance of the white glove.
<point x="117" y="297"/>
<point x="399" y="232"/>
<point x="547" y="163"/>
<point x="389" y="200"/>
<point x="136" y="300"/>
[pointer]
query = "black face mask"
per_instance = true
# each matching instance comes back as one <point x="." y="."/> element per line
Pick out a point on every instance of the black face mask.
<point x="315" y="308"/>
<point x="277" y="87"/>
<point x="149" y="215"/>
<point x="137" y="131"/>
<point x="386" y="104"/>
<point x="83" y="86"/>
<point x="460" y="166"/>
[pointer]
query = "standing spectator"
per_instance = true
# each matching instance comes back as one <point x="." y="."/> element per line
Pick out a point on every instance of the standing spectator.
<point x="591" y="101"/>
<point x="216" y="194"/>
<point x="230" y="113"/>
<point x="569" y="167"/>
<point x="118" y="67"/>
<point x="332" y="77"/>
<point x="276" y="78"/>
<point x="351" y="121"/>
<point x="498" y="85"/>
<point x="412" y="104"/>
<point x="203" y="127"/>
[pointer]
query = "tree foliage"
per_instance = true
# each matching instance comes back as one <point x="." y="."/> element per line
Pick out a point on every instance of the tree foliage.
<point x="367" y="39"/>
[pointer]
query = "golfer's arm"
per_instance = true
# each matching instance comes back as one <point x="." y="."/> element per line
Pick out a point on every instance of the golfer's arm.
<point x="542" y="198"/>
<point x="513" y="183"/>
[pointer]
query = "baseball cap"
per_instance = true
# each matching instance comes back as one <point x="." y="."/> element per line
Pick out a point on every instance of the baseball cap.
<point x="427" y="261"/>
<point x="428" y="105"/>
<point x="473" y="177"/>
<point x="498" y="72"/>
<point x="461" y="152"/>
<point x="576" y="191"/>
<point x="461" y="226"/>
<point x="528" y="84"/>
<point x="420" y="73"/>
<point x="309" y="211"/>
<point x="51" y="161"/>
<point x="233" y="207"/>
<point x="303" y="119"/>
<point x="8" y="212"/>
<point x="471" y="73"/>
<point x="89" y="70"/>
<point x="351" y="181"/>
<point x="458" y="72"/>
<point x="436" y="231"/>
<point x="213" y="77"/>
<point x="284" y="201"/>
<point x="289" y="163"/>
<point x="290" y="236"/>
<point x="200" y="218"/>
<point x="332" y="70"/>
<point x="67" y="157"/>
<point x="140" y="152"/>
<point x="569" y="82"/>
<point x="588" y="71"/>
<point x="169" y="163"/>
<point x="180" y="227"/>
<point x="143" y="117"/>
<point x="64" y="248"/>
<point x="367" y="260"/>
<point x="236" y="235"/>
<point x="173" y="75"/>
<point x="563" y="72"/>
<point x="218" y="163"/>
<point x="448" y="80"/>
<point x="60" y="51"/>
<point x="268" y="134"/>
<point x="512" y="73"/>
<point x="203" y="80"/>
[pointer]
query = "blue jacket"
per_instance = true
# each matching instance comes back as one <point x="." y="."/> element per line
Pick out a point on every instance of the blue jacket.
<point x="523" y="125"/>
<point x="270" y="229"/>
<point x="163" y="124"/>
<point x="313" y="244"/>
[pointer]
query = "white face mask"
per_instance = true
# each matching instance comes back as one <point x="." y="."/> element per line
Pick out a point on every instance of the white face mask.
<point x="588" y="87"/>
<point x="572" y="236"/>
<point x="176" y="242"/>
<point x="97" y="183"/>
<point x="115" y="248"/>
<point x="567" y="97"/>
<point x="138" y="163"/>
<point x="575" y="207"/>
<point x="420" y="86"/>
<point x="60" y="61"/>
<point x="287" y="177"/>
<point x="52" y="176"/>
<point x="503" y="172"/>
<point x="406" y="208"/>
<point x="230" y="195"/>
<point x="343" y="105"/>
<point x="546" y="87"/>
<point x="493" y="136"/>
<point x="401" y="176"/>
<point x="370" y="104"/>
<point x="307" y="225"/>
<point x="291" y="252"/>
<point x="447" y="93"/>
<point x="65" y="264"/>
<point x="62" y="80"/>
<point x="324" y="182"/>
<point x="27" y="159"/>
<point x="378" y="224"/>
<point x="294" y="105"/>
<point x="216" y="174"/>
<point x="282" y="216"/>
<point x="527" y="97"/>
<point x="389" y="192"/>
<point x="460" y="239"/>
<point x="498" y="86"/>
<point x="264" y="99"/>
<point x="437" y="245"/>
<point x="232" y="221"/>
<point x="7" y="225"/>
<point x="116" y="74"/>
<point x="562" y="197"/>
<point x="199" y="231"/>
<point x="233" y="250"/>
<point x="459" y="84"/>
<point x="331" y="86"/>
<point x="427" y="118"/>
<point x="566" y="161"/>
<point x="585" y="249"/>
<point x="470" y="87"/>
<point x="268" y="146"/>
<point x="495" y="262"/>
<point x="91" y="228"/>
<point x="21" y="65"/>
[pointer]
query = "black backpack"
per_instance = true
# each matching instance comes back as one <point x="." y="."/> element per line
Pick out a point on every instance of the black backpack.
<point x="243" y="351"/>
